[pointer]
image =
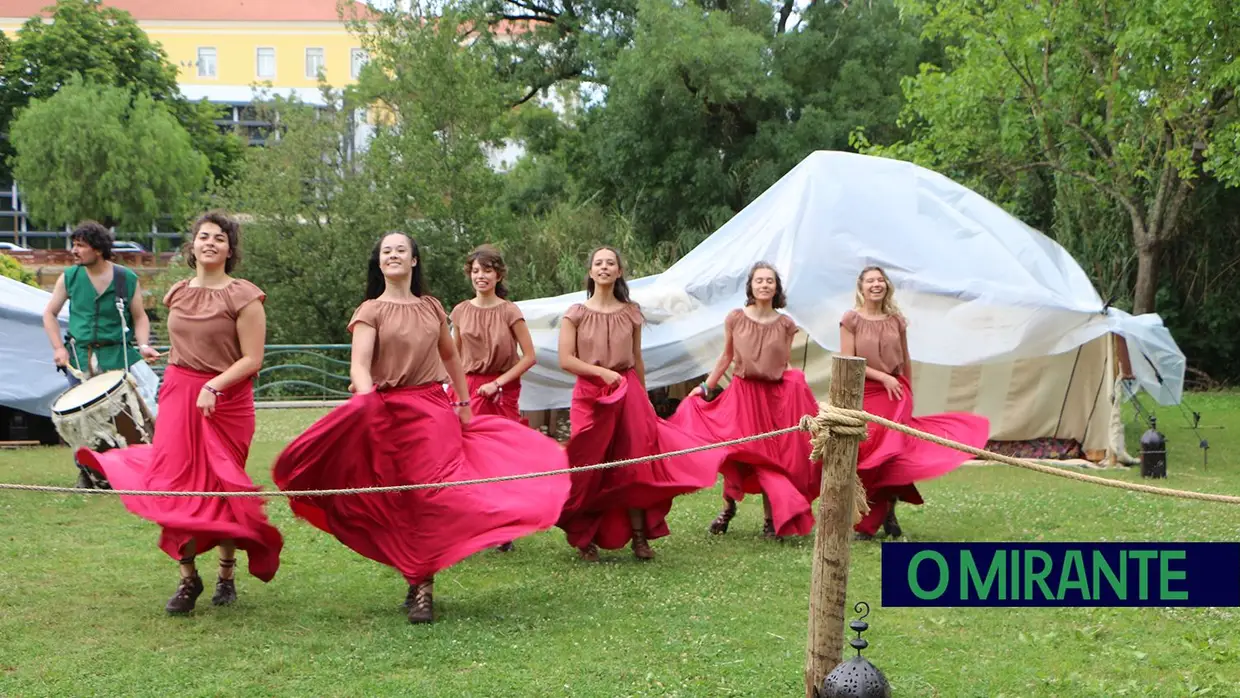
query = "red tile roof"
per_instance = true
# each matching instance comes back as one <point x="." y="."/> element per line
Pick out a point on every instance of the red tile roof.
<point x="206" y="10"/>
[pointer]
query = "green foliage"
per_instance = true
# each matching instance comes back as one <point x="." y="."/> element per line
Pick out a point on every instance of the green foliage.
<point x="13" y="269"/>
<point x="105" y="46"/>
<point x="309" y="234"/>
<point x="99" y="152"/>
<point x="1120" y="97"/>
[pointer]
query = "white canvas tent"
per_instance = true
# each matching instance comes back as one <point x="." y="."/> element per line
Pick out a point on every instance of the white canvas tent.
<point x="29" y="380"/>
<point x="1003" y="321"/>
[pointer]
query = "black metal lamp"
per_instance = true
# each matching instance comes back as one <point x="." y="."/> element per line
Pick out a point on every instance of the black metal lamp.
<point x="1153" y="452"/>
<point x="857" y="677"/>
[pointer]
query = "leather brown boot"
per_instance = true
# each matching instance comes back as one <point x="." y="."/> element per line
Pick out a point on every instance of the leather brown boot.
<point x="589" y="553"/>
<point x="720" y="524"/>
<point x="187" y="595"/>
<point x="422" y="610"/>
<point x="641" y="548"/>
<point x="225" y="589"/>
<point x="890" y="525"/>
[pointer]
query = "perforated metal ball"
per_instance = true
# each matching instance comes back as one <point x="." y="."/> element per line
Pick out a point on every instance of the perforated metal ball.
<point x="855" y="678"/>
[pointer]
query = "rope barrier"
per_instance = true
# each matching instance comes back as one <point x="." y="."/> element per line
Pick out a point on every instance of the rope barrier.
<point x="403" y="488"/>
<point x="1038" y="467"/>
<point x="830" y="423"/>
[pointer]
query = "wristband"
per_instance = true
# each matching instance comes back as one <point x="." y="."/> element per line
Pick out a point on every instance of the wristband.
<point x="213" y="391"/>
<point x="462" y="403"/>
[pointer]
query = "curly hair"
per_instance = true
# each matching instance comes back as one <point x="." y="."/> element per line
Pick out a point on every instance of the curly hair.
<point x="229" y="226"/>
<point x="96" y="236"/>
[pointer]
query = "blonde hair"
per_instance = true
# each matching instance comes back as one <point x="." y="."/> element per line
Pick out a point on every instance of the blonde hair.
<point x="889" y="306"/>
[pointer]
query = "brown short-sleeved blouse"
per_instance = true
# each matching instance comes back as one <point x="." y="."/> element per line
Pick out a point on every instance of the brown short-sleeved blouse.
<point x="606" y="339"/>
<point x="202" y="323"/>
<point x="407" y="341"/>
<point x="879" y="342"/>
<point x="760" y="351"/>
<point x="488" y="345"/>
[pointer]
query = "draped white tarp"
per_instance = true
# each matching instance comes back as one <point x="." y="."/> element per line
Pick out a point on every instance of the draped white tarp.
<point x="29" y="380"/>
<point x="977" y="284"/>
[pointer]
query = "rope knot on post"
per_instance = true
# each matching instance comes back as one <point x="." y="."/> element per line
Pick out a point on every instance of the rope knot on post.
<point x="831" y="422"/>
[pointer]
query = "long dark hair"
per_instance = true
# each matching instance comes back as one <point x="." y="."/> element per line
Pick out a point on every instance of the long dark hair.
<point x="621" y="288"/>
<point x="375" y="282"/>
<point x="488" y="258"/>
<point x="780" y="300"/>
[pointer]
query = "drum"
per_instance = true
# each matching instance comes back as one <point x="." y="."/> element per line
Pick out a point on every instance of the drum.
<point x="102" y="412"/>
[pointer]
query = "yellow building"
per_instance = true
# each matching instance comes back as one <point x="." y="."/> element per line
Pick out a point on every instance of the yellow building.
<point x="225" y="49"/>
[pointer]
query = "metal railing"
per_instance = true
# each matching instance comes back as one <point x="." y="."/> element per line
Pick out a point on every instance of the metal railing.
<point x="296" y="373"/>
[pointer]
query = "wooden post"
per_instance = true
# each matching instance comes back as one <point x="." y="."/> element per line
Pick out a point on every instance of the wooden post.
<point x="833" y="532"/>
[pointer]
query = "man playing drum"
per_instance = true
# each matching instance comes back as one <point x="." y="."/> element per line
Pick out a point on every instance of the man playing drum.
<point x="96" y="323"/>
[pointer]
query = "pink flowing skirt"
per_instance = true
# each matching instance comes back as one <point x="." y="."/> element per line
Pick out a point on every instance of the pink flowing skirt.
<point x="504" y="404"/>
<point x="192" y="453"/>
<point x="617" y="422"/>
<point x="778" y="466"/>
<point x="890" y="462"/>
<point x="410" y="436"/>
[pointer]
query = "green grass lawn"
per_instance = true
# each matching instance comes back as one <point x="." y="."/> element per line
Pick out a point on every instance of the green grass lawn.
<point x="83" y="586"/>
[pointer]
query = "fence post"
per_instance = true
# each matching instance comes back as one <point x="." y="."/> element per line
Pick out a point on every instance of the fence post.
<point x="833" y="531"/>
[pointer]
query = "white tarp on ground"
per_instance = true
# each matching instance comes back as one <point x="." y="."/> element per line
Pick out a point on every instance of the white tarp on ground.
<point x="29" y="380"/>
<point x="978" y="285"/>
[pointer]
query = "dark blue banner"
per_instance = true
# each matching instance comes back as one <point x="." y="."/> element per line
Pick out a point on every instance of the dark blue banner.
<point x="1061" y="574"/>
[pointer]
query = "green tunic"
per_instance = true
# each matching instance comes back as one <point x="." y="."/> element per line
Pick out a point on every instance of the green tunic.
<point x="95" y="323"/>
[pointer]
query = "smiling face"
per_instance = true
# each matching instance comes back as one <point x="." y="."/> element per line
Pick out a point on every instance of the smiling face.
<point x="483" y="278"/>
<point x="763" y="285"/>
<point x="396" y="259"/>
<point x="873" y="286"/>
<point x="211" y="249"/>
<point x="605" y="268"/>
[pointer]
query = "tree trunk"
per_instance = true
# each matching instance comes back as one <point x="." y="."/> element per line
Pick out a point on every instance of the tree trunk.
<point x="1148" y="255"/>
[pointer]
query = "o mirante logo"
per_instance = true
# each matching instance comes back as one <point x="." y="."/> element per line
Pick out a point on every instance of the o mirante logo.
<point x="1061" y="574"/>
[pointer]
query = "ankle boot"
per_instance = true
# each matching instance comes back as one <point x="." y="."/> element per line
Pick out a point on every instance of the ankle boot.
<point x="641" y="547"/>
<point x="422" y="608"/>
<point x="187" y="595"/>
<point x="720" y="524"/>
<point x="890" y="525"/>
<point x="225" y="589"/>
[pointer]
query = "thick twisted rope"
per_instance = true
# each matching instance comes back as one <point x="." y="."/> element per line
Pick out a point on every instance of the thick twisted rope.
<point x="418" y="486"/>
<point x="831" y="422"/>
<point x="1031" y="465"/>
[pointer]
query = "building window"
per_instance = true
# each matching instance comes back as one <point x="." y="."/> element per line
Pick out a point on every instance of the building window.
<point x="314" y="62"/>
<point x="206" y="61"/>
<point x="357" y="59"/>
<point x="266" y="63"/>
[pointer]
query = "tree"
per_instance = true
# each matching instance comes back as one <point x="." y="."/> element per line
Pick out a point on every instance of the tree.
<point x="1125" y="98"/>
<point x="104" y="46"/>
<point x="309" y="238"/>
<point x="100" y="152"/>
<point x="705" y="104"/>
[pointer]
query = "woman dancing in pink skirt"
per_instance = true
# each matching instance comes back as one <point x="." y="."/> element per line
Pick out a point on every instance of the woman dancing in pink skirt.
<point x="488" y="329"/>
<point x="612" y="419"/>
<point x="217" y="328"/>
<point x="890" y="462"/>
<point x="764" y="395"/>
<point x="402" y="428"/>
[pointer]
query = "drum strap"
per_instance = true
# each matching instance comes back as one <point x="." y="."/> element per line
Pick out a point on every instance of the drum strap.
<point x="120" y="284"/>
